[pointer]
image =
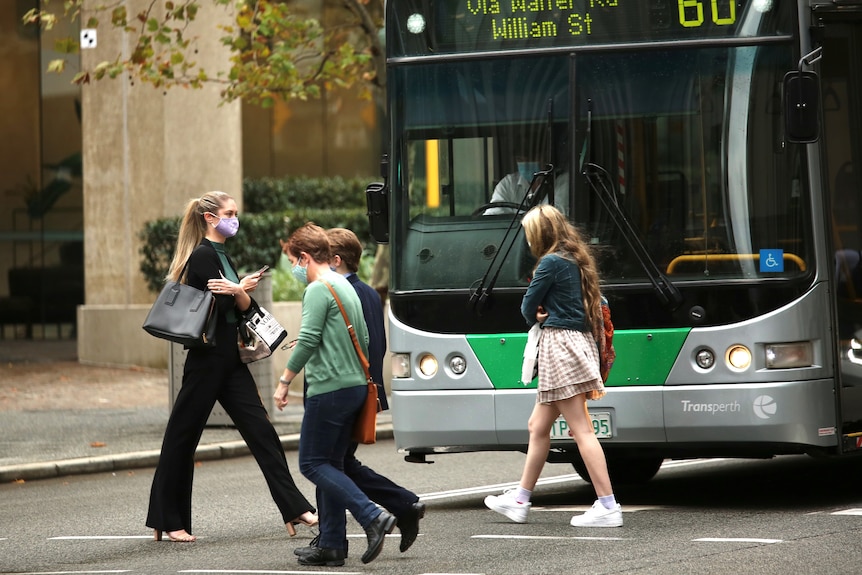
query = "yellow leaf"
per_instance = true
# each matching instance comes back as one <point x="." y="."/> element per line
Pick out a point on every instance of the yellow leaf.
<point x="57" y="66"/>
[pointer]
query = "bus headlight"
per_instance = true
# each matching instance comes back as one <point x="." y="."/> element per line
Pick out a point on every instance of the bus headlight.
<point x="400" y="365"/>
<point x="786" y="355"/>
<point x="428" y="365"/>
<point x="738" y="357"/>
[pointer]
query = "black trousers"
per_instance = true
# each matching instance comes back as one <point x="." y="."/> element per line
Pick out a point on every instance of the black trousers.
<point x="209" y="375"/>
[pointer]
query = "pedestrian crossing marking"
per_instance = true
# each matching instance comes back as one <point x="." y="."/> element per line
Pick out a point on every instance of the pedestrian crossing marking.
<point x="547" y="537"/>
<point x="737" y="540"/>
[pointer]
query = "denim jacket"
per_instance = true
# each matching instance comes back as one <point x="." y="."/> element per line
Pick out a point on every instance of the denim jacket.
<point x="556" y="285"/>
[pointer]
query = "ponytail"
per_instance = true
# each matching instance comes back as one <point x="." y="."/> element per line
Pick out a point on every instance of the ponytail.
<point x="193" y="228"/>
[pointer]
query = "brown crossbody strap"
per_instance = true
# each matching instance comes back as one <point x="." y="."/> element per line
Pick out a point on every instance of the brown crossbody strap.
<point x="362" y="359"/>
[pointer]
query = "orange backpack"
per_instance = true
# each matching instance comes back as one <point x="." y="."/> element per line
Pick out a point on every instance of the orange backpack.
<point x="607" y="353"/>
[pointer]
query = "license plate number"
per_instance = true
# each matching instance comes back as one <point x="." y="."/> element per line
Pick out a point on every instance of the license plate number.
<point x="601" y="425"/>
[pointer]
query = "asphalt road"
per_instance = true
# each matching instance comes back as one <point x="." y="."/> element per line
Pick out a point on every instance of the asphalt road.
<point x="789" y="515"/>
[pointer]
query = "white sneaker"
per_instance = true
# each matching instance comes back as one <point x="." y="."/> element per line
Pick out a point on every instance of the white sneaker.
<point x="508" y="506"/>
<point x="598" y="516"/>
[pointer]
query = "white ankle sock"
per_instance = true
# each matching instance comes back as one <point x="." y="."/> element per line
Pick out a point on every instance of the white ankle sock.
<point x="522" y="495"/>
<point x="608" y="501"/>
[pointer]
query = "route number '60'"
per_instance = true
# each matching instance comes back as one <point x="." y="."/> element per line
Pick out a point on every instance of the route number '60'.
<point x="691" y="12"/>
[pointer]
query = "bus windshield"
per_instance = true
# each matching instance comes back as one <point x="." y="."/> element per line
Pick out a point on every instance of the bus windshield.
<point x="688" y="143"/>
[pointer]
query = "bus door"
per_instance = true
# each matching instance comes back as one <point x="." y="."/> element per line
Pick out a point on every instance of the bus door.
<point x="841" y="97"/>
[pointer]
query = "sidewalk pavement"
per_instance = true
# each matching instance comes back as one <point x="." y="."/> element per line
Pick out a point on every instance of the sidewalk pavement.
<point x="45" y="443"/>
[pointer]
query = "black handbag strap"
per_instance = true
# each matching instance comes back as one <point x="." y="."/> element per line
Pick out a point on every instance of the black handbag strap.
<point x="362" y="359"/>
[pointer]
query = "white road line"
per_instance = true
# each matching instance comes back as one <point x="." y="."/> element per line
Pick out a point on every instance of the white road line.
<point x="547" y="481"/>
<point x="548" y="537"/>
<point x="267" y="572"/>
<point x="582" y="508"/>
<point x="494" y="488"/>
<point x="71" y="572"/>
<point x="688" y="462"/>
<point x="737" y="540"/>
<point x="97" y="538"/>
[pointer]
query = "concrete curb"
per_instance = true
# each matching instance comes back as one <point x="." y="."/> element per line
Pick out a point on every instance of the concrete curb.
<point x="138" y="459"/>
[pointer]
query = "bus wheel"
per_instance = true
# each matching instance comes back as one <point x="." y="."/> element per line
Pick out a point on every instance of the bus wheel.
<point x="624" y="470"/>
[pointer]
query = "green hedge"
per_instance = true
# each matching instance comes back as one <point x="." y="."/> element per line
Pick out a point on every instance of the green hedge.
<point x="274" y="208"/>
<point x="283" y="194"/>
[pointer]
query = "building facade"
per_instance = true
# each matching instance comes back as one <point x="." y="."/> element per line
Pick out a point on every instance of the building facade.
<point x="84" y="168"/>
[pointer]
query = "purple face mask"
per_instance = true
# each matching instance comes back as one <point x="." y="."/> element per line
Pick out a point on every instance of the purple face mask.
<point x="227" y="226"/>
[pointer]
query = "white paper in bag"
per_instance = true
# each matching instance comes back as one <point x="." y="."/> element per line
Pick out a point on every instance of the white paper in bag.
<point x="531" y="350"/>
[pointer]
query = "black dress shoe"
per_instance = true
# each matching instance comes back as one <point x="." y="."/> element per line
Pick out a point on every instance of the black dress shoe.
<point x="319" y="556"/>
<point x="300" y="551"/>
<point x="314" y="544"/>
<point x="408" y="523"/>
<point x="382" y="525"/>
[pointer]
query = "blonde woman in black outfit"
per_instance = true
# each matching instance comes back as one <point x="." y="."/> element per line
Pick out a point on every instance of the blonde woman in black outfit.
<point x="216" y="373"/>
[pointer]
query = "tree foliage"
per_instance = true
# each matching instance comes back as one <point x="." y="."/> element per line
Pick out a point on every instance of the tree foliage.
<point x="274" y="53"/>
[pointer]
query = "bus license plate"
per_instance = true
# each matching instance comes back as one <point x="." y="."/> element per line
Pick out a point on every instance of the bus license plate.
<point x="601" y="425"/>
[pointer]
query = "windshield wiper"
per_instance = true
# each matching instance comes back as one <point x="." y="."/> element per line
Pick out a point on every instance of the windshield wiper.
<point x="535" y="194"/>
<point x="602" y="184"/>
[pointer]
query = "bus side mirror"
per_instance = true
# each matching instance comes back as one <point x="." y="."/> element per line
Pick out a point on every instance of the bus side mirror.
<point x="801" y="107"/>
<point x="377" y="199"/>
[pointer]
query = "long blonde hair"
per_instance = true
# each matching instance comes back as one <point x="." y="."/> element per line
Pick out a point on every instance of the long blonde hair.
<point x="548" y="231"/>
<point x="193" y="228"/>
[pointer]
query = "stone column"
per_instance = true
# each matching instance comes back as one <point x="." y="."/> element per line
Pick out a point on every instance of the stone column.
<point x="146" y="152"/>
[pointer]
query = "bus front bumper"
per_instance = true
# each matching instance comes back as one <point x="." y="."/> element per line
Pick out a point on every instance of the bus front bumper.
<point x="738" y="417"/>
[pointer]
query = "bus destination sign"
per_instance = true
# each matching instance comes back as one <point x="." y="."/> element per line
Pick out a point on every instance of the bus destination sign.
<point x="453" y="26"/>
<point x="555" y="18"/>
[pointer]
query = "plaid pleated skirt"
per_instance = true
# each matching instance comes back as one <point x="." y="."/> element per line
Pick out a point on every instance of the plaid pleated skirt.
<point x="568" y="366"/>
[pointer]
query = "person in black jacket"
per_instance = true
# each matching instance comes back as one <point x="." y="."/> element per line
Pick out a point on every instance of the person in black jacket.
<point x="216" y="373"/>
<point x="400" y="502"/>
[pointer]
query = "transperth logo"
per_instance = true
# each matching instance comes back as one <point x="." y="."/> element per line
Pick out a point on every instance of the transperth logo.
<point x="764" y="406"/>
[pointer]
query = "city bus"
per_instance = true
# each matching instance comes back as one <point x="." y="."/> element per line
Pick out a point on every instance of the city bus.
<point x="709" y="152"/>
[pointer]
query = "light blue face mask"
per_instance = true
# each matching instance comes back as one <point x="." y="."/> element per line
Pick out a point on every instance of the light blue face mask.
<point x="284" y="262"/>
<point x="527" y="169"/>
<point x="300" y="273"/>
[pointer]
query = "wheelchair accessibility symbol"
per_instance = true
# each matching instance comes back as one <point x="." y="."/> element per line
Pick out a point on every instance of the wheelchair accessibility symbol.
<point x="771" y="261"/>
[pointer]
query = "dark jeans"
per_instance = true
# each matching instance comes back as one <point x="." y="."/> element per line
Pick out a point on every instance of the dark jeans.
<point x="323" y="443"/>
<point x="380" y="489"/>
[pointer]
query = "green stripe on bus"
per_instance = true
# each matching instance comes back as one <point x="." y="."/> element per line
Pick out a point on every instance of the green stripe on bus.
<point x="644" y="357"/>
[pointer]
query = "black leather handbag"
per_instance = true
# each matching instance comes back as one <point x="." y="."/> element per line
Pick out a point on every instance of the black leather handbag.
<point x="183" y="314"/>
